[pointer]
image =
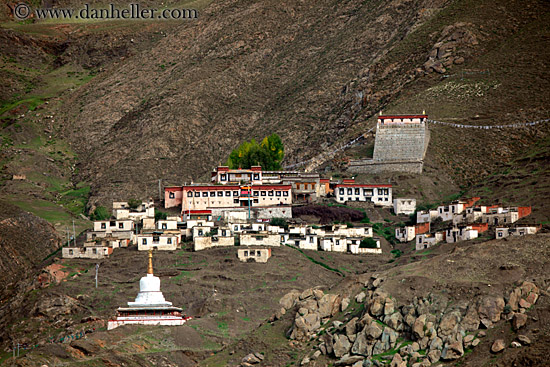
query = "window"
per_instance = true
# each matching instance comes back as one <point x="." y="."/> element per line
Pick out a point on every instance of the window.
<point x="236" y="228"/>
<point x="197" y="194"/>
<point x="103" y="225"/>
<point x="171" y="195"/>
<point x="223" y="177"/>
<point x="235" y="201"/>
<point x="235" y="193"/>
<point x="282" y="238"/>
<point x="256" y="176"/>
<point x="256" y="193"/>
<point x="350" y="191"/>
<point x="200" y="232"/>
<point x="94" y="251"/>
<point x="270" y="193"/>
<point x="386" y="191"/>
<point x="224" y="232"/>
<point x="380" y="191"/>
<point x="356" y="191"/>
<point x="112" y="223"/>
<point x="246" y="253"/>
<point x="189" y="194"/>
<point x="164" y="226"/>
<point x="263" y="193"/>
<point x="337" y="242"/>
<point x="220" y="193"/>
<point x="212" y="193"/>
<point x="169" y="240"/>
<point x="341" y="191"/>
<point x="311" y="239"/>
<point x="256" y="201"/>
<point x="252" y="253"/>
<point x="278" y="193"/>
<point x="204" y="194"/>
<point x="258" y="253"/>
<point x="228" y="193"/>
<point x="144" y="241"/>
<point x="70" y="252"/>
<point x="121" y="225"/>
<point x="285" y="193"/>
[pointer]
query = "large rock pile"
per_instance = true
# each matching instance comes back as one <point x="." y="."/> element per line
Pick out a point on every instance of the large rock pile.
<point x="417" y="334"/>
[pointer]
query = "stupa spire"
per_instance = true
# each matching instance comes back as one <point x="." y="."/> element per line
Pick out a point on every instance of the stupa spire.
<point x="150" y="267"/>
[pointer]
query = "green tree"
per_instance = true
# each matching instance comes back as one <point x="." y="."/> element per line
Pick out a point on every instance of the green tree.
<point x="269" y="154"/>
<point x="368" y="242"/>
<point x="100" y="213"/>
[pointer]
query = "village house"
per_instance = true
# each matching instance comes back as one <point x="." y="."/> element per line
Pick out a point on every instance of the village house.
<point x="355" y="247"/>
<point x="404" y="206"/>
<point x="500" y="216"/>
<point x="427" y="240"/>
<point x="208" y="237"/>
<point x="122" y="229"/>
<point x="408" y="233"/>
<point x="93" y="250"/>
<point x="260" y="255"/>
<point x="157" y="241"/>
<point x="523" y="230"/>
<point x="460" y="233"/>
<point x="122" y="210"/>
<point x="426" y="216"/>
<point x="378" y="194"/>
<point x="259" y="239"/>
<point x="223" y="175"/>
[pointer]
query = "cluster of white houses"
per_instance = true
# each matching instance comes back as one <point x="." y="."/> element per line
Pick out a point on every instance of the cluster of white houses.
<point x="468" y="221"/>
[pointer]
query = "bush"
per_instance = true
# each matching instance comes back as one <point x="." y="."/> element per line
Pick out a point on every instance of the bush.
<point x="160" y="215"/>
<point x="368" y="243"/>
<point x="100" y="213"/>
<point x="134" y="203"/>
<point x="349" y="224"/>
<point x="280" y="222"/>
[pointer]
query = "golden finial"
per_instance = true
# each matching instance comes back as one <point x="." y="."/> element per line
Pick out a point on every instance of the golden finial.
<point x="150" y="267"/>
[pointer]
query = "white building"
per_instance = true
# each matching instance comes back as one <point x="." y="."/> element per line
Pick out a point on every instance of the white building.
<point x="462" y="233"/>
<point x="503" y="232"/>
<point x="157" y="241"/>
<point x="404" y="206"/>
<point x="378" y="194"/>
<point x="260" y="255"/>
<point x="405" y="234"/>
<point x="425" y="240"/>
<point x="208" y="237"/>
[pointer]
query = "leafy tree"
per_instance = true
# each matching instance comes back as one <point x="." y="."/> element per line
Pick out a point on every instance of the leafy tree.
<point x="269" y="154"/>
<point x="368" y="242"/>
<point x="160" y="215"/>
<point x="280" y="222"/>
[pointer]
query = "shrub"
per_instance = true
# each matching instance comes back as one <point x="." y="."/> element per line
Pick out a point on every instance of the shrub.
<point x="368" y="243"/>
<point x="280" y="222"/>
<point x="160" y="215"/>
<point x="100" y="213"/>
<point x="268" y="154"/>
<point x="134" y="203"/>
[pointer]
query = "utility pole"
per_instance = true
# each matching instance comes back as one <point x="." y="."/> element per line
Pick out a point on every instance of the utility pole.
<point x="160" y="197"/>
<point x="68" y="237"/>
<point x="96" y="271"/>
<point x="74" y="235"/>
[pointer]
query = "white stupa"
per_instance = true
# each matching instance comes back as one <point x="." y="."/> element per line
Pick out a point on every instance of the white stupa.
<point x="149" y="307"/>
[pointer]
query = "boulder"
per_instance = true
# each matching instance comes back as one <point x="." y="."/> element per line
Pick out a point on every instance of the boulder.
<point x="418" y="327"/>
<point x="378" y="348"/>
<point x="434" y="356"/>
<point x="318" y="294"/>
<point x="452" y="351"/>
<point x="523" y="339"/>
<point x="360" y="297"/>
<point x="449" y="325"/>
<point x="341" y="345"/>
<point x="515" y="344"/>
<point x="490" y="308"/>
<point x="498" y="346"/>
<point x="345" y="304"/>
<point x="527" y="288"/>
<point x="351" y="327"/>
<point x="348" y="360"/>
<point x="377" y="306"/>
<point x="361" y="345"/>
<point x="388" y="306"/>
<point x="397" y="361"/>
<point x="470" y="322"/>
<point x="329" y="305"/>
<point x="518" y="321"/>
<point x="524" y="304"/>
<point x="373" y="331"/>
<point x="395" y="321"/>
<point x="306" y="294"/>
<point x="475" y="342"/>
<point x="57" y="306"/>
<point x="513" y="299"/>
<point x="253" y="358"/>
<point x="436" y="344"/>
<point x="289" y="299"/>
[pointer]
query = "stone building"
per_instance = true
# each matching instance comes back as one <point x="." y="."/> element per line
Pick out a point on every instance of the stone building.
<point x="157" y="241"/>
<point x="400" y="145"/>
<point x="378" y="194"/>
<point x="503" y="232"/>
<point x="404" y="206"/>
<point x="259" y="255"/>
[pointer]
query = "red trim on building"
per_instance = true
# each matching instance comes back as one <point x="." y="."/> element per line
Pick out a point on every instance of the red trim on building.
<point x="256" y="168"/>
<point x="271" y="187"/>
<point x="348" y="180"/>
<point x="210" y="187"/>
<point x="173" y="188"/>
<point x="402" y="117"/>
<point x="523" y="211"/>
<point x="199" y="211"/>
<point x="422" y="228"/>
<point x="360" y="185"/>
<point x="324" y="180"/>
<point x="222" y="168"/>
<point x="480" y="227"/>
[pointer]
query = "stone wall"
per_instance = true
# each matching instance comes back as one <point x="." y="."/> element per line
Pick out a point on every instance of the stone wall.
<point x="373" y="167"/>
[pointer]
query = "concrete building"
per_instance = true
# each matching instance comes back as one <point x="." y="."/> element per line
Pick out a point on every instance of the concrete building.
<point x="355" y="248"/>
<point x="408" y="233"/>
<point x="426" y="240"/>
<point x="404" y="206"/>
<point x="503" y="232"/>
<point x="206" y="237"/>
<point x="223" y="175"/>
<point x="426" y="216"/>
<point x="460" y="233"/>
<point x="157" y="241"/>
<point x="121" y="210"/>
<point x="259" y="239"/>
<point x="88" y="251"/>
<point x="400" y="145"/>
<point x="259" y="255"/>
<point x="378" y="194"/>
